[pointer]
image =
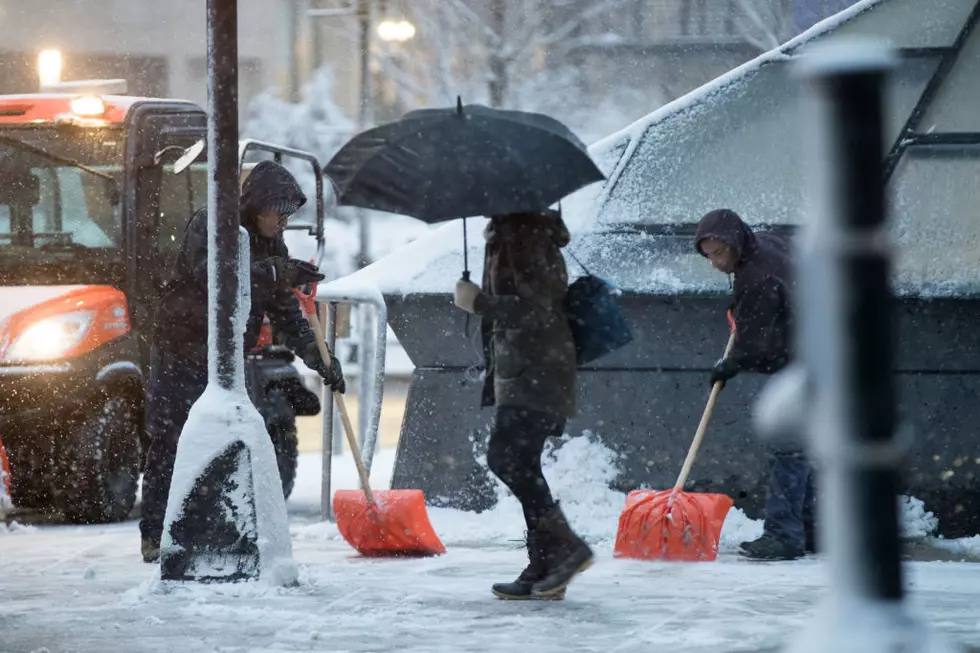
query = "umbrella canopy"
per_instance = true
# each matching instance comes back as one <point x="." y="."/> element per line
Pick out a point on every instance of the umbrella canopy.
<point x="442" y="164"/>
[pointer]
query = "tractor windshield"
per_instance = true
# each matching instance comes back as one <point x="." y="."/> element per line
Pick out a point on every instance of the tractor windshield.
<point x="59" y="195"/>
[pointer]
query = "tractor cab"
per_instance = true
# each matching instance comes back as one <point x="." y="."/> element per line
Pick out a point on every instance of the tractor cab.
<point x="96" y="189"/>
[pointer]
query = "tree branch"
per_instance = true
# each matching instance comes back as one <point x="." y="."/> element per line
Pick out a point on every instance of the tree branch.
<point x="749" y="10"/>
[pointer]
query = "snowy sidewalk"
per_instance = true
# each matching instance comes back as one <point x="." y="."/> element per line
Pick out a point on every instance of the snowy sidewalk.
<point x="85" y="589"/>
<point x="97" y="596"/>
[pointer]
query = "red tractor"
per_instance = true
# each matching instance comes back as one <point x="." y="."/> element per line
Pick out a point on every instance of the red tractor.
<point x="95" y="192"/>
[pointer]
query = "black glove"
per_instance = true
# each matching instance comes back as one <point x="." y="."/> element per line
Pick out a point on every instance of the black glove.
<point x="292" y="272"/>
<point x="334" y="377"/>
<point x="723" y="370"/>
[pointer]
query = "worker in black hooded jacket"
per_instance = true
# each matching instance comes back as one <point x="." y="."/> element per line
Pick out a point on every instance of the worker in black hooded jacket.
<point x="762" y="283"/>
<point x="179" y="357"/>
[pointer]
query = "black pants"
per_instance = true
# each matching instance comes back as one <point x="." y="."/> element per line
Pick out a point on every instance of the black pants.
<point x="791" y="497"/>
<point x="177" y="380"/>
<point x="514" y="455"/>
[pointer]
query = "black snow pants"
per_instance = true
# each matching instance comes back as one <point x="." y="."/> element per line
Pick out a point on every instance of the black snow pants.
<point x="514" y="455"/>
<point x="177" y="379"/>
<point x="791" y="497"/>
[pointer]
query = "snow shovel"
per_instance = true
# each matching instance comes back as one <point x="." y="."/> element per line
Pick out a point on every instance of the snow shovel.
<point x="673" y="524"/>
<point x="378" y="524"/>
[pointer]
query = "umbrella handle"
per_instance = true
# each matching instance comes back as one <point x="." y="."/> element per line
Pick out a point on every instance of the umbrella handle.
<point x="342" y="409"/>
<point x="702" y="427"/>
<point x="466" y="254"/>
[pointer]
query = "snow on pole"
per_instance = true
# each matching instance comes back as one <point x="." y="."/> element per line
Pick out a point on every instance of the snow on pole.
<point x="846" y="338"/>
<point x="226" y="515"/>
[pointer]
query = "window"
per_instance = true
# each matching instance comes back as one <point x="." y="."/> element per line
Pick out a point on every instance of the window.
<point x="180" y="196"/>
<point x="60" y="195"/>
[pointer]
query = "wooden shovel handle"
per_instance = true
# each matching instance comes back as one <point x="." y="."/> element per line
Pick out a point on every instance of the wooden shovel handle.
<point x="703" y="426"/>
<point x="342" y="409"/>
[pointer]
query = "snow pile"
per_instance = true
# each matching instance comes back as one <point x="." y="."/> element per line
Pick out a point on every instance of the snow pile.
<point x="969" y="547"/>
<point x="914" y="520"/>
<point x="579" y="471"/>
<point x="16" y="528"/>
<point x="738" y="528"/>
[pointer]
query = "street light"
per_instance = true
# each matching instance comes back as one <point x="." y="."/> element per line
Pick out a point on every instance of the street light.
<point x="398" y="31"/>
<point x="49" y="67"/>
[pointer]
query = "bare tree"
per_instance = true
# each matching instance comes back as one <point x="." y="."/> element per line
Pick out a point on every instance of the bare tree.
<point x="484" y="50"/>
<point x="765" y="24"/>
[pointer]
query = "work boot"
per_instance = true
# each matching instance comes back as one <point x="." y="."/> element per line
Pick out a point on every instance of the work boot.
<point x="520" y="589"/>
<point x="768" y="547"/>
<point x="150" y="548"/>
<point x="565" y="554"/>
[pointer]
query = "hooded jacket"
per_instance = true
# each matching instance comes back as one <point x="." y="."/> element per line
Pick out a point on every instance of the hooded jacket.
<point x="762" y="285"/>
<point x="182" y="317"/>
<point x="528" y="345"/>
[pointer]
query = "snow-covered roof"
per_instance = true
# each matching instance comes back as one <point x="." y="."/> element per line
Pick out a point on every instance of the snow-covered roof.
<point x="738" y="142"/>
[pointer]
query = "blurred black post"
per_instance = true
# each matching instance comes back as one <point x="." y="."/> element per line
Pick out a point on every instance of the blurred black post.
<point x="224" y="342"/>
<point x="848" y="273"/>
<point x="846" y="336"/>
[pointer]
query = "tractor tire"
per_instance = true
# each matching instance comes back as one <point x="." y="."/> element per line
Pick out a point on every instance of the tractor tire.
<point x="30" y="483"/>
<point x="102" y="469"/>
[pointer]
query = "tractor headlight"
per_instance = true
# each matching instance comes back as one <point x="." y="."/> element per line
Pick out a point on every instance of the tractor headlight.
<point x="51" y="337"/>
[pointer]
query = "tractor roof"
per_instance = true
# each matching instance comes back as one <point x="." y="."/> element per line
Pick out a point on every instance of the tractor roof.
<point x="42" y="108"/>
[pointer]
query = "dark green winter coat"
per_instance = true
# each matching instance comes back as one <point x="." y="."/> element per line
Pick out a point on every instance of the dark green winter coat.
<point x="528" y="346"/>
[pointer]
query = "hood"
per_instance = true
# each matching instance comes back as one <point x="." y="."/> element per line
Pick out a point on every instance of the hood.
<point x="269" y="187"/>
<point x="725" y="225"/>
<point x="14" y="299"/>
<point x="514" y="224"/>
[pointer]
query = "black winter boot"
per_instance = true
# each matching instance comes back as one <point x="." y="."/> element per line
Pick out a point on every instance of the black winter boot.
<point x="768" y="547"/>
<point x="565" y="554"/>
<point x="520" y="589"/>
<point x="150" y="548"/>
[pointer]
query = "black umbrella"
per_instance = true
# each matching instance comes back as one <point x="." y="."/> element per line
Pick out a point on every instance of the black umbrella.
<point x="442" y="164"/>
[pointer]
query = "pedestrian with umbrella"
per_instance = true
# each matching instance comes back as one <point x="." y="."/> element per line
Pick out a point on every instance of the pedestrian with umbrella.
<point x="443" y="164"/>
<point x="530" y="381"/>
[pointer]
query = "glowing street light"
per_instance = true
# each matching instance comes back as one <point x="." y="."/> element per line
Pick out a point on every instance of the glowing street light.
<point x="396" y="30"/>
<point x="49" y="67"/>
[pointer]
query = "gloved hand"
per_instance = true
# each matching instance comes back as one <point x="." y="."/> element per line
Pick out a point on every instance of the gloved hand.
<point x="292" y="272"/>
<point x="466" y="294"/>
<point x="334" y="377"/>
<point x="723" y="370"/>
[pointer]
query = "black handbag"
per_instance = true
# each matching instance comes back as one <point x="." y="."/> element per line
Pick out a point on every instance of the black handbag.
<point x="595" y="318"/>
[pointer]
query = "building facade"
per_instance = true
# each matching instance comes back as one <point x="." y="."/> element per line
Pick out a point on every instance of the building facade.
<point x="158" y="47"/>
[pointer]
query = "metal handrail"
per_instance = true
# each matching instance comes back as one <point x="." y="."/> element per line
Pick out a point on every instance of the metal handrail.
<point x="368" y="446"/>
<point x="278" y="151"/>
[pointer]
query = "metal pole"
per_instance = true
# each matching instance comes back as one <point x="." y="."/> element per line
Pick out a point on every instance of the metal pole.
<point x="366" y="343"/>
<point x="292" y="47"/>
<point x="846" y="331"/>
<point x="498" y="65"/>
<point x="845" y="335"/>
<point x="224" y="342"/>
<point x="326" y="462"/>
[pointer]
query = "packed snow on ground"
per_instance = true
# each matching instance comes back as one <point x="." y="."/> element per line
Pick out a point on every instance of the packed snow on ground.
<point x="85" y="589"/>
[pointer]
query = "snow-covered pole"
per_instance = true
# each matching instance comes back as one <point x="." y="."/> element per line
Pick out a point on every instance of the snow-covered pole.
<point x="225" y="344"/>
<point x="846" y="338"/>
<point x="226" y="515"/>
<point x="365" y="116"/>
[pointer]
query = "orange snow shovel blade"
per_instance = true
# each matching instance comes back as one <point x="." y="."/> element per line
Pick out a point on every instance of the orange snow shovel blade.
<point x="650" y="528"/>
<point x="394" y="524"/>
<point x="386" y="523"/>
<point x="673" y="524"/>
